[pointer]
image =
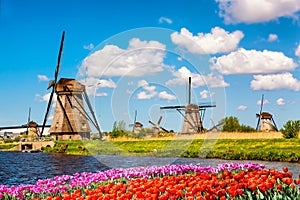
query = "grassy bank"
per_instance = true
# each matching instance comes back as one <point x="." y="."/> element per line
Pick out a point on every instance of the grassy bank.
<point x="277" y="149"/>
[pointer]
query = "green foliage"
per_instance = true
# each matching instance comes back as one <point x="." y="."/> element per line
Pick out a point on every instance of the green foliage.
<point x="291" y="129"/>
<point x="244" y="128"/>
<point x="8" y="140"/>
<point x="139" y="134"/>
<point x="118" y="130"/>
<point x="232" y="124"/>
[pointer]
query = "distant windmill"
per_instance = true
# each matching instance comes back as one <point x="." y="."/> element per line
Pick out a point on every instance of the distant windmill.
<point x="157" y="126"/>
<point x="136" y="126"/>
<point x="193" y="116"/>
<point x="265" y="120"/>
<point x="31" y="126"/>
<point x="70" y="120"/>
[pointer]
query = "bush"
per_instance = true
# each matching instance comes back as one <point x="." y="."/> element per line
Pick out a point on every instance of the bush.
<point x="291" y="129"/>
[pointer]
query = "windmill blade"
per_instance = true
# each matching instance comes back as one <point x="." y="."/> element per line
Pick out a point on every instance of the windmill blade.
<point x="54" y="82"/>
<point x="47" y="111"/>
<point x="59" y="57"/>
<point x="164" y="129"/>
<point x="159" y="120"/>
<point x="258" y="121"/>
<point x="261" y="104"/>
<point x="189" y="91"/>
<point x="135" y="114"/>
<point x="153" y="124"/>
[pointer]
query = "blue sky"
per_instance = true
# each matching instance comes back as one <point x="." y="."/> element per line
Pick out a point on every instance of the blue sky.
<point x="137" y="55"/>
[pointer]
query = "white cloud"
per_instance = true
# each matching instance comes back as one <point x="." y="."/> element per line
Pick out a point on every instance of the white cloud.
<point x="43" y="78"/>
<point x="92" y="84"/>
<point x="218" y="41"/>
<point x="280" y="101"/>
<point x="272" y="37"/>
<point x="149" y="92"/>
<point x="165" y="19"/>
<point x="181" y="77"/>
<point x="206" y="94"/>
<point x="89" y="46"/>
<point x="45" y="98"/>
<point x="245" y="61"/>
<point x="166" y="96"/>
<point x="253" y="11"/>
<point x="242" y="107"/>
<point x="140" y="58"/>
<point x="275" y="82"/>
<point x="101" y="94"/>
<point x="146" y="94"/>
<point x="297" y="52"/>
<point x="266" y="101"/>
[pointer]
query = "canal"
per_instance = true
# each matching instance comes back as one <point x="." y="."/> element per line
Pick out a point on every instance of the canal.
<point x="26" y="168"/>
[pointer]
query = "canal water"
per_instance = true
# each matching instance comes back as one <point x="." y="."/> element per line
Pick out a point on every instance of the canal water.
<point x="26" y="168"/>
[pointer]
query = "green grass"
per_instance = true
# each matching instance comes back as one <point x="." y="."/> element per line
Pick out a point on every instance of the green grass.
<point x="7" y="146"/>
<point x="239" y="149"/>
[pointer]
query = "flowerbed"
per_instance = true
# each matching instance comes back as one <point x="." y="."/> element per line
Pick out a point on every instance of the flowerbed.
<point x="227" y="181"/>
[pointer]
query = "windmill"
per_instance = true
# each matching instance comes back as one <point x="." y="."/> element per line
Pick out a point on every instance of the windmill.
<point x="193" y="114"/>
<point x="31" y="127"/>
<point x="157" y="126"/>
<point x="265" y="120"/>
<point x="136" y="126"/>
<point x="70" y="120"/>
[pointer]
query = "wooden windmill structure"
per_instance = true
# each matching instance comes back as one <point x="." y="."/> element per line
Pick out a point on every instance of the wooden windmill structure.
<point x="193" y="114"/>
<point x="265" y="120"/>
<point x="70" y="120"/>
<point x="157" y="126"/>
<point x="136" y="126"/>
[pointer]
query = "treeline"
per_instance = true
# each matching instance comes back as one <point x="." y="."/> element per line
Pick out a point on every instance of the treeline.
<point x="232" y="124"/>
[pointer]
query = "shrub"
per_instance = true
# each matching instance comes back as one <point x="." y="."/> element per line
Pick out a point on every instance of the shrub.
<point x="291" y="129"/>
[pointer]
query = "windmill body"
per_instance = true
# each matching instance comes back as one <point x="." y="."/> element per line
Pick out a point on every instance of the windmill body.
<point x="265" y="120"/>
<point x="192" y="121"/>
<point x="193" y="115"/>
<point x="69" y="120"/>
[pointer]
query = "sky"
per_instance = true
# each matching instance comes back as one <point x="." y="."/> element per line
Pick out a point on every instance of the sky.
<point x="137" y="56"/>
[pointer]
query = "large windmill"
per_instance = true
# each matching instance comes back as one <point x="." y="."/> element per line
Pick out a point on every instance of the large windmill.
<point x="70" y="120"/>
<point x="265" y="120"/>
<point x="193" y="114"/>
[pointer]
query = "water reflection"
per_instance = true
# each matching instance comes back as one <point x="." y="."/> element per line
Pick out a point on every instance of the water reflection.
<point x="26" y="168"/>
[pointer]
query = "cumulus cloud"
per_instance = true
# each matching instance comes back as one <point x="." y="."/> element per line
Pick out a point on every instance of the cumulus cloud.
<point x="266" y="101"/>
<point x="206" y="94"/>
<point x="254" y="11"/>
<point x="272" y="37"/>
<point x="297" y="52"/>
<point x="181" y="77"/>
<point x="245" y="61"/>
<point x="166" y="96"/>
<point x="275" y="82"/>
<point x="280" y="101"/>
<point x="138" y="59"/>
<point x="218" y="41"/>
<point x="165" y="19"/>
<point x="93" y="84"/>
<point x="101" y="94"/>
<point x="242" y="107"/>
<point x="89" y="46"/>
<point x="149" y="91"/>
<point x="43" y="78"/>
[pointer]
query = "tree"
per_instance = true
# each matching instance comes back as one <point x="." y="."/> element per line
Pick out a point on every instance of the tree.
<point x="231" y="124"/>
<point x="291" y="129"/>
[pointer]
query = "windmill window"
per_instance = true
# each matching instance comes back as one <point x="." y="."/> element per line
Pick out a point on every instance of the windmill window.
<point x="56" y="125"/>
<point x="83" y="125"/>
